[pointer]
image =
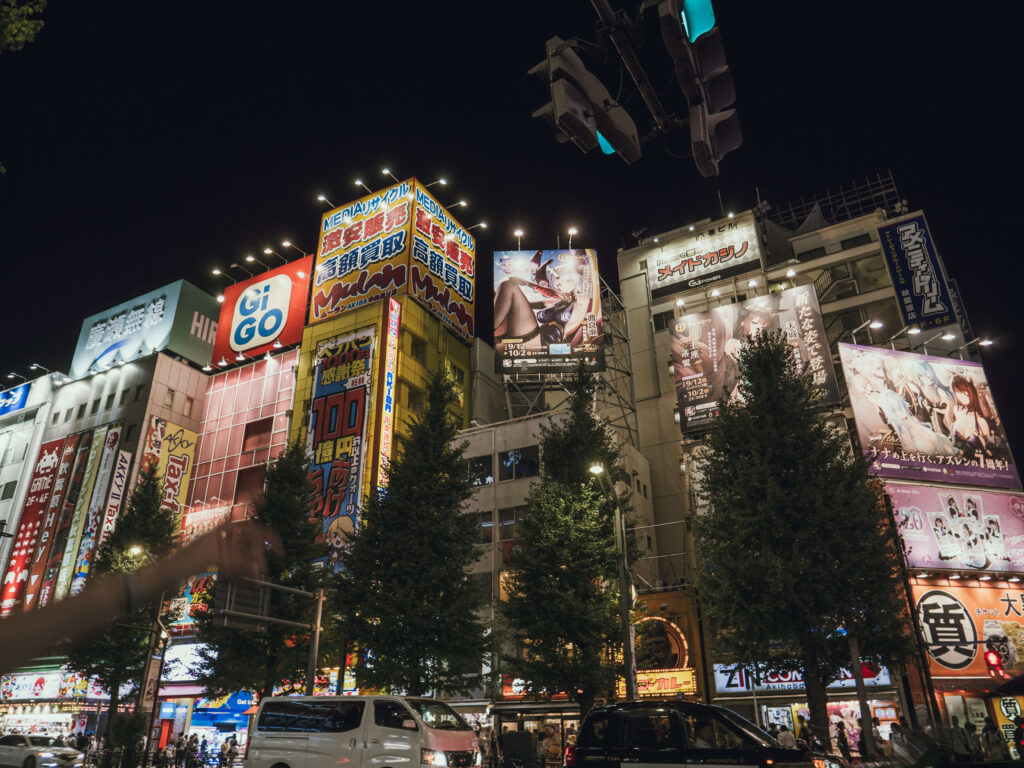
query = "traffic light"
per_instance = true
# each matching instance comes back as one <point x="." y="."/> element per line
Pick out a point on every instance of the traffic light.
<point x="694" y="42"/>
<point x="994" y="662"/>
<point x="581" y="110"/>
<point x="232" y="597"/>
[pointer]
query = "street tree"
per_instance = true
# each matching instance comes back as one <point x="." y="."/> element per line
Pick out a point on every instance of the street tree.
<point x="19" y="23"/>
<point x="404" y="597"/>
<point x="797" y="550"/>
<point x="117" y="656"/>
<point x="562" y="587"/>
<point x="233" y="659"/>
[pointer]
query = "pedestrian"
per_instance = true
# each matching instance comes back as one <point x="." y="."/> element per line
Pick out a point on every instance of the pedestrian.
<point x="232" y="751"/>
<point x="962" y="752"/>
<point x="993" y="744"/>
<point x="773" y="730"/>
<point x="842" y="742"/>
<point x="973" y="740"/>
<point x="179" y="750"/>
<point x="203" y="748"/>
<point x="884" y="747"/>
<point x="786" y="738"/>
<point x="222" y="758"/>
<point x="804" y="733"/>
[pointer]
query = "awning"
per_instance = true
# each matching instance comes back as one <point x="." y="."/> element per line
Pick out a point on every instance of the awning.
<point x="180" y="691"/>
<point x="535" y="706"/>
<point x="985" y="686"/>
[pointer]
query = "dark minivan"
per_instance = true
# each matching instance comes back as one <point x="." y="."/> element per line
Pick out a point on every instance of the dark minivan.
<point x="675" y="733"/>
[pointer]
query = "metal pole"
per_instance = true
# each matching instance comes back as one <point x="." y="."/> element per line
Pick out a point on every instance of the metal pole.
<point x="867" y="741"/>
<point x="314" y="644"/>
<point x="625" y="597"/>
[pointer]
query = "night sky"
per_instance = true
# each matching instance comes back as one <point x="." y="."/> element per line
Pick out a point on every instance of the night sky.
<point x="147" y="142"/>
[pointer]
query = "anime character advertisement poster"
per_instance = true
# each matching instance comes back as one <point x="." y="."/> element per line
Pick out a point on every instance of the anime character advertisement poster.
<point x="336" y="440"/>
<point x="927" y="418"/>
<point x="547" y="311"/>
<point x="706" y="345"/>
<point x="363" y="254"/>
<point x="965" y="529"/>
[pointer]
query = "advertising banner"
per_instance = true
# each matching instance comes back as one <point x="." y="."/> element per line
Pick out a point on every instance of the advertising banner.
<point x="389" y="367"/>
<point x="443" y="266"/>
<point x="95" y="516"/>
<point x="178" y="317"/>
<point x="960" y="623"/>
<point x="177" y="457"/>
<point x="13" y="400"/>
<point x="705" y="349"/>
<point x="916" y="274"/>
<point x="190" y="599"/>
<point x="363" y="253"/>
<point x="118" y="488"/>
<point x="925" y="418"/>
<point x="66" y="519"/>
<point x="81" y="516"/>
<point x="547" y="311"/>
<point x="342" y="379"/>
<point x="731" y="678"/>
<point x="195" y="524"/>
<point x="957" y="528"/>
<point x="48" y="528"/>
<point x="263" y="313"/>
<point x="711" y="252"/>
<point x="32" y="516"/>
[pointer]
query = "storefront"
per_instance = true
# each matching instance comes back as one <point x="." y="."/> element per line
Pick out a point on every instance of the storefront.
<point x="51" y="702"/>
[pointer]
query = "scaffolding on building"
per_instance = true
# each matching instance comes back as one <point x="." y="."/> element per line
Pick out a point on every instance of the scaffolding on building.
<point x="848" y="202"/>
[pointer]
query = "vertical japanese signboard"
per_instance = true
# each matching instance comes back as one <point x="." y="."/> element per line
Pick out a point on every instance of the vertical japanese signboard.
<point x="48" y="528"/>
<point x="340" y="404"/>
<point x="705" y="349"/>
<point x="927" y="418"/>
<point x="547" y="311"/>
<point x="31" y="524"/>
<point x="118" y="488"/>
<point x="389" y="368"/>
<point x="177" y="458"/>
<point x="916" y="274"/>
<point x="96" y="512"/>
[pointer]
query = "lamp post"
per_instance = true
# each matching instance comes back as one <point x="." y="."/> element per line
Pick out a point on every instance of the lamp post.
<point x="290" y="244"/>
<point x="519" y="239"/>
<point x="944" y="335"/>
<point x="866" y="324"/>
<point x="158" y="637"/>
<point x="323" y="199"/>
<point x="976" y="340"/>
<point x="910" y="330"/>
<point x="625" y="586"/>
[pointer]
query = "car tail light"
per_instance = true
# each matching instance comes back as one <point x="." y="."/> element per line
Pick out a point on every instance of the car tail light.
<point x="570" y="756"/>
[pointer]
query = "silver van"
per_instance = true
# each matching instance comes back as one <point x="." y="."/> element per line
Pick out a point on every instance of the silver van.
<point x="360" y="732"/>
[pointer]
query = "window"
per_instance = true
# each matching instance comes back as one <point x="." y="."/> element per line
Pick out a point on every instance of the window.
<point x="457" y="375"/>
<point x="249" y="485"/>
<point x="482" y="470"/>
<point x="814" y="253"/>
<point x="663" y="320"/>
<point x="651" y="729"/>
<point x="416" y="400"/>
<point x="95" y="407"/>
<point x="519" y="462"/>
<point x="7" y="490"/>
<point x="189" y="402"/>
<point x="139" y="391"/>
<point x="327" y="717"/>
<point x="853" y="242"/>
<point x="645" y="490"/>
<point x="705" y="730"/>
<point x="418" y="349"/>
<point x="391" y="714"/>
<point x="55" y="417"/>
<point x="486" y="527"/>
<point x="257" y="434"/>
<point x="12" y="741"/>
<point x="437" y="714"/>
<point x="67" y="414"/>
<point x="603" y="730"/>
<point x="81" y="411"/>
<point x="124" y="397"/>
<point x="169" y="399"/>
<point x="110" y="401"/>
<point x="128" y="431"/>
<point x="483" y="581"/>
<point x="509" y="520"/>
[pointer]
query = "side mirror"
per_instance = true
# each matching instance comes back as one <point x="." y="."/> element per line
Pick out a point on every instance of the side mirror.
<point x="409" y="725"/>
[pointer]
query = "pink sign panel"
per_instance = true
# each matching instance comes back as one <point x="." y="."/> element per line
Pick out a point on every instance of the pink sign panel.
<point x="959" y="528"/>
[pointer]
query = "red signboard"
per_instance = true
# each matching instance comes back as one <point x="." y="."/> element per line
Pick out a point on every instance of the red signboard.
<point x="265" y="312"/>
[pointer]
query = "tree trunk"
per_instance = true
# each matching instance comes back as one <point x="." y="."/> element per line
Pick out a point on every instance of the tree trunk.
<point x="816" y="697"/>
<point x="268" y="676"/>
<point x="342" y="663"/>
<point x="867" y="743"/>
<point x="115" y="702"/>
<point x="586" y="701"/>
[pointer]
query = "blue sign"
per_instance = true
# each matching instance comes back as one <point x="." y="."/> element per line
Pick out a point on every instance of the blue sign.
<point x="14" y="399"/>
<point x="920" y="282"/>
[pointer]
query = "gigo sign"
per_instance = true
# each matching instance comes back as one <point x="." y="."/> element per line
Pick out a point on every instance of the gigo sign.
<point x="265" y="312"/>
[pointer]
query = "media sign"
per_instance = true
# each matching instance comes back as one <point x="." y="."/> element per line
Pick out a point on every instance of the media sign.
<point x="547" y="311"/>
<point x="263" y="313"/>
<point x="14" y="399"/>
<point x="927" y="418"/>
<point x="917" y="276"/>
<point x="709" y="253"/>
<point x="387" y="410"/>
<point x="178" y="317"/>
<point x="706" y="345"/>
<point x="733" y="678"/>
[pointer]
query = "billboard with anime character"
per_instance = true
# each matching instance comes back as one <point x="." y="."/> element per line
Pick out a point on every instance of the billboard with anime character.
<point x="547" y="311"/>
<point x="927" y="418"/>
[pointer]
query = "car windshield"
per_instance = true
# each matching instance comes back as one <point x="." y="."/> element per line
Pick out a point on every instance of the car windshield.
<point x="437" y="714"/>
<point x="749" y="729"/>
<point x="41" y="741"/>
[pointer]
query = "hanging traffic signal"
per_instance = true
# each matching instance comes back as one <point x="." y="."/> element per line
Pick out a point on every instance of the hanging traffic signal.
<point x="694" y="42"/>
<point x="994" y="662"/>
<point x="581" y="110"/>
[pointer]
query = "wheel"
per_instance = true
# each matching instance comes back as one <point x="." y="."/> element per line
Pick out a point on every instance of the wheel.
<point x="30" y="762"/>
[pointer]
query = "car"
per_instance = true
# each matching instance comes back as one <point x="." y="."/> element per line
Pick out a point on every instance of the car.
<point x="30" y="751"/>
<point x="675" y="732"/>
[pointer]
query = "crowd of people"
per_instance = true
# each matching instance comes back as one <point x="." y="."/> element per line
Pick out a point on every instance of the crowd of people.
<point x="193" y="751"/>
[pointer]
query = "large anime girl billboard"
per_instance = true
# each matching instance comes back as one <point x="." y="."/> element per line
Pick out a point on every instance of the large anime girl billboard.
<point x="547" y="311"/>
<point x="927" y="418"/>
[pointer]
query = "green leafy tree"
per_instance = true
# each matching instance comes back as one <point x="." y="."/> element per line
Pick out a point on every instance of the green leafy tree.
<point x="117" y="657"/>
<point x="562" y="586"/>
<point x="796" y="546"/>
<point x="19" y="23"/>
<point x="234" y="659"/>
<point x="404" y="595"/>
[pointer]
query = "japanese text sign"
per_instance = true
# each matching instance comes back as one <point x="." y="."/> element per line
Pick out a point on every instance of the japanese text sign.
<point x="547" y="311"/>
<point x="336" y="437"/>
<point x="917" y="276"/>
<point x="709" y="253"/>
<point x="705" y="348"/>
<point x="926" y="418"/>
<point x="387" y="383"/>
<point x="944" y="527"/>
<point x="14" y="399"/>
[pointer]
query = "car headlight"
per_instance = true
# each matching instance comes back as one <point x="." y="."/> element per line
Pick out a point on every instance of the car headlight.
<point x="433" y="757"/>
<point x="46" y="754"/>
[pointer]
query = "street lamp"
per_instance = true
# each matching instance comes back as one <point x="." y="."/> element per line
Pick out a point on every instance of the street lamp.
<point x="12" y="375"/>
<point x="976" y="340"/>
<point x="290" y="244"/>
<point x="910" y="330"/>
<point x="323" y="199"/>
<point x="482" y="224"/>
<point x="220" y="273"/>
<point x="944" y="335"/>
<point x="442" y="181"/>
<point x="625" y="586"/>
<point x="270" y="251"/>
<point x="572" y="231"/>
<point x="875" y="324"/>
<point x="458" y="204"/>
<point x="250" y="258"/>
<point x="519" y="239"/>
<point x="35" y="366"/>
<point x="388" y="172"/>
<point x="159" y="636"/>
<point x="239" y="266"/>
<point x="360" y="183"/>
